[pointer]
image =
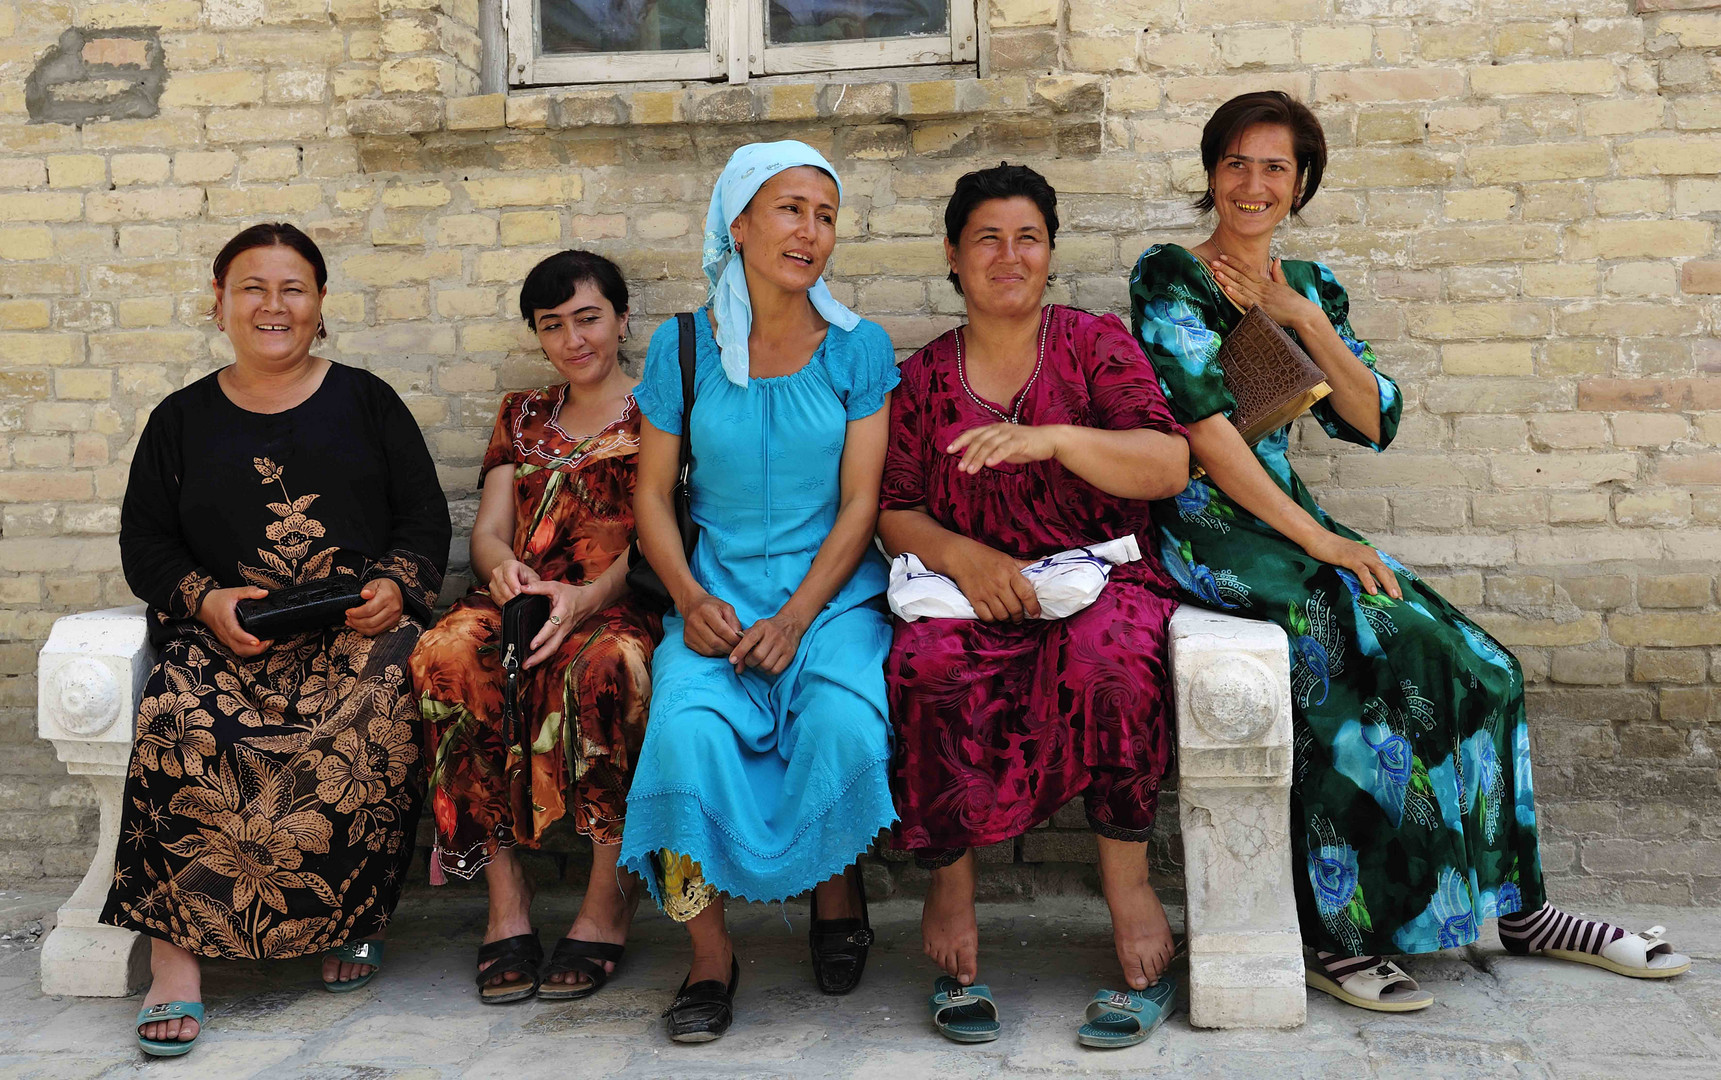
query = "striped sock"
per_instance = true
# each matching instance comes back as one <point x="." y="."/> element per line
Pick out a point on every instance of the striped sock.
<point x="1339" y="967"/>
<point x="1550" y="928"/>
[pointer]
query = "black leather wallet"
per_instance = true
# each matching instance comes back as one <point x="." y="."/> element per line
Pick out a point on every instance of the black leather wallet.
<point x="299" y="608"/>
<point x="522" y="618"/>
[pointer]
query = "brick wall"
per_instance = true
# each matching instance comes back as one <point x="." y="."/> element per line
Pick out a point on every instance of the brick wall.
<point x="1523" y="200"/>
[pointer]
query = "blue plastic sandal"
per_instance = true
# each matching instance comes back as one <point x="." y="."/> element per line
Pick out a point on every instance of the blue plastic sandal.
<point x="1124" y="1018"/>
<point x="964" y="1014"/>
<point x="355" y="952"/>
<point x="169" y="1010"/>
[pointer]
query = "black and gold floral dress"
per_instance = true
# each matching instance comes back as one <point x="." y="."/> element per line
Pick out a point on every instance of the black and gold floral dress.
<point x="271" y="802"/>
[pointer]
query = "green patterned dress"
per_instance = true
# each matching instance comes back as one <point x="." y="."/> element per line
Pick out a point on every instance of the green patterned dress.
<point x="1412" y="816"/>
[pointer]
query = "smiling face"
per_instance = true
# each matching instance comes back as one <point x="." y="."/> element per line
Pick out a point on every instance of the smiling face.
<point x="581" y="337"/>
<point x="1002" y="257"/>
<point x="789" y="229"/>
<point x="1255" y="183"/>
<point x="270" y="306"/>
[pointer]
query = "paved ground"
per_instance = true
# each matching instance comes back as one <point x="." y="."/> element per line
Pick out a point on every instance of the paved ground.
<point x="1495" y="1015"/>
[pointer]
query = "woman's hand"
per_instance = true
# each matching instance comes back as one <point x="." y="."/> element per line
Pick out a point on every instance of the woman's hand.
<point x="1283" y="304"/>
<point x="769" y="644"/>
<point x="710" y="627"/>
<point x="381" y="608"/>
<point x="570" y="605"/>
<point x="993" y="583"/>
<point x="510" y="579"/>
<point x="1360" y="559"/>
<point x="216" y="612"/>
<point x="997" y="444"/>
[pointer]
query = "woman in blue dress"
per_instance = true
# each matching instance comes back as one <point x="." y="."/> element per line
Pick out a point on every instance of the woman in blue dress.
<point x="763" y="772"/>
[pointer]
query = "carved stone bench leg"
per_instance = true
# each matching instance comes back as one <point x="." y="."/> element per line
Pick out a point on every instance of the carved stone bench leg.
<point x="1232" y="679"/>
<point x="89" y="675"/>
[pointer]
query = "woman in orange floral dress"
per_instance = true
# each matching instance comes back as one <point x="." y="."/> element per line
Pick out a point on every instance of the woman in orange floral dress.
<point x="556" y="518"/>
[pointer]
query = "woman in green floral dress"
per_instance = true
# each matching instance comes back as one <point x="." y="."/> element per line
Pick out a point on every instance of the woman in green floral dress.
<point x="1412" y="815"/>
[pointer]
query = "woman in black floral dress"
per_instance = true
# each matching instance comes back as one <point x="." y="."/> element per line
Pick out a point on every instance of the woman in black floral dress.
<point x="274" y="786"/>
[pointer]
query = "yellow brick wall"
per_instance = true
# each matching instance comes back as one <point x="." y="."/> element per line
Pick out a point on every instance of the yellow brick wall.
<point x="1523" y="200"/>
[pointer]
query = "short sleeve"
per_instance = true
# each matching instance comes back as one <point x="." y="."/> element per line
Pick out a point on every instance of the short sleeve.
<point x="1336" y="303"/>
<point x="867" y="371"/>
<point x="1175" y="318"/>
<point x="1122" y="388"/>
<point x="501" y="449"/>
<point x="658" y="394"/>
<point x="907" y="458"/>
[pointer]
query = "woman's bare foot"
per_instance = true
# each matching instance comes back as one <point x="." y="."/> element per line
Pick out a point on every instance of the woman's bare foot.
<point x="176" y="976"/>
<point x="606" y="911"/>
<point x="510" y="905"/>
<point x="949" y="932"/>
<point x="338" y="970"/>
<point x="1139" y="927"/>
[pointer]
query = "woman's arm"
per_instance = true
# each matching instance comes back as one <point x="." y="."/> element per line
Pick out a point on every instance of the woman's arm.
<point x="771" y="643"/>
<point x="1136" y="464"/>
<point x="711" y="626"/>
<point x="493" y="560"/>
<point x="1229" y="461"/>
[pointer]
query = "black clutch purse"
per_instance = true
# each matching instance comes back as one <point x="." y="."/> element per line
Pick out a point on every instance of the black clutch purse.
<point x="298" y="608"/>
<point x="642" y="580"/>
<point x="522" y="618"/>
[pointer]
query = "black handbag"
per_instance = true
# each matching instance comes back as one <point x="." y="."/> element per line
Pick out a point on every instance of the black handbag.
<point x="522" y="618"/>
<point x="642" y="580"/>
<point x="298" y="608"/>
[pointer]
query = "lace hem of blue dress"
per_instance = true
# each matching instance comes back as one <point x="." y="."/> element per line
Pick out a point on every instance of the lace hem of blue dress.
<point x="678" y="820"/>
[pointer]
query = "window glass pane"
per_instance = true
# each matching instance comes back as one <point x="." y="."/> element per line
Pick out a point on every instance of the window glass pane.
<point x="612" y="26"/>
<point x="800" y="21"/>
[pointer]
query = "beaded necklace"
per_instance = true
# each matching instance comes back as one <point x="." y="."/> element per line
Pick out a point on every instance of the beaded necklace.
<point x="1015" y="416"/>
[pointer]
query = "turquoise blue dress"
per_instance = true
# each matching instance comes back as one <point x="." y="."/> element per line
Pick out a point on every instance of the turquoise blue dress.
<point x="770" y="783"/>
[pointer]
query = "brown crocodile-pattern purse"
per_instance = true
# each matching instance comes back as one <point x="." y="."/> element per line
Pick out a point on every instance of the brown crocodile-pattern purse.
<point x="1270" y="376"/>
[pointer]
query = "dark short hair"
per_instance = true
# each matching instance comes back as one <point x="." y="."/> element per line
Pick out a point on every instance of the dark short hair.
<point x="1004" y="181"/>
<point x="273" y="234"/>
<point x="552" y="282"/>
<point x="1232" y="119"/>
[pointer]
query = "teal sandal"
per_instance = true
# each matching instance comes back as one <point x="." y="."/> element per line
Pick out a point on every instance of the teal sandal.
<point x="368" y="951"/>
<point x="964" y="1014"/>
<point x="1117" y="1018"/>
<point x="169" y="1010"/>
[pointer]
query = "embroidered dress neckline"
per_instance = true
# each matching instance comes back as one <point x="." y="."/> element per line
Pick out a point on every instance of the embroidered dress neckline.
<point x="554" y="422"/>
<point x="576" y="448"/>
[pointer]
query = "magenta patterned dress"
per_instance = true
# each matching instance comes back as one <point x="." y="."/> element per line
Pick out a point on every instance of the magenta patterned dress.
<point x="1000" y="724"/>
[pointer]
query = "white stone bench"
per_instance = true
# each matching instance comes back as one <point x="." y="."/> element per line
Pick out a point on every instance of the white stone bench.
<point x="1234" y="751"/>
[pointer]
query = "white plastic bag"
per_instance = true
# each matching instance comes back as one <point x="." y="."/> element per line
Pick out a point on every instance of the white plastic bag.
<point x="1065" y="583"/>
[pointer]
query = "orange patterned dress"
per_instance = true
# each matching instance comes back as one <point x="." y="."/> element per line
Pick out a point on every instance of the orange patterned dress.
<point x="587" y="704"/>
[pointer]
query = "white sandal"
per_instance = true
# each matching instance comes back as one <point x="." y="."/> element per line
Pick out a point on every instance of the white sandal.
<point x="1636" y="956"/>
<point x="1382" y="988"/>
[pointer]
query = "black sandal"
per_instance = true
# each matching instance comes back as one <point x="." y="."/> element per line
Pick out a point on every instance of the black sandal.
<point x="523" y="954"/>
<point x="840" y="945"/>
<point x="582" y="958"/>
<point x="703" y="1012"/>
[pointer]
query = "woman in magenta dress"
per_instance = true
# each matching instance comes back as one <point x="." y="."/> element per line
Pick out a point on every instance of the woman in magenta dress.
<point x="1031" y="430"/>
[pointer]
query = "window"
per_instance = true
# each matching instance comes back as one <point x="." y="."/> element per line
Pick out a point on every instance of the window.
<point x="591" y="41"/>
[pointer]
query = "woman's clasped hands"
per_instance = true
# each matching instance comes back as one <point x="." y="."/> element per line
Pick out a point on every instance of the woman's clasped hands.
<point x="713" y="629"/>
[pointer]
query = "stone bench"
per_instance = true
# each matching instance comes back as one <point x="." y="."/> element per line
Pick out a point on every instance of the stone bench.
<point x="1234" y="751"/>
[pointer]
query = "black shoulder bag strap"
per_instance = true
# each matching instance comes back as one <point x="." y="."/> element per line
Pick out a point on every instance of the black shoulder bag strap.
<point x="683" y="490"/>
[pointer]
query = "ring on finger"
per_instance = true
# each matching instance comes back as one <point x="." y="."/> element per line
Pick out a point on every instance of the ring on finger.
<point x="556" y="620"/>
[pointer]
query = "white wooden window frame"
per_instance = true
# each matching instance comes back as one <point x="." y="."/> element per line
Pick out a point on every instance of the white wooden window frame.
<point x="730" y="21"/>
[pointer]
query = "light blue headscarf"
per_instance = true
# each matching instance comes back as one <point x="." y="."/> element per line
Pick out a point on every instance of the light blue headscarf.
<point x="747" y="171"/>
